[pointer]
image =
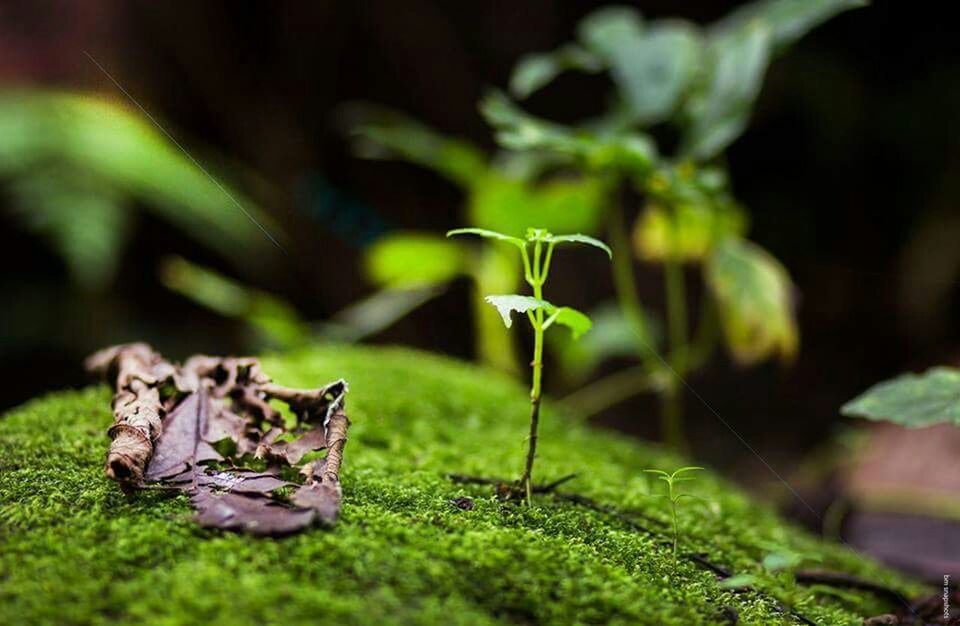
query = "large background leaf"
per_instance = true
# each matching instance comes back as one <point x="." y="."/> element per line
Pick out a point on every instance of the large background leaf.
<point x="914" y="400"/>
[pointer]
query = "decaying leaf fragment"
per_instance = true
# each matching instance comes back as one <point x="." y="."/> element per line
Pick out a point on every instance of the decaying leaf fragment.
<point x="171" y="420"/>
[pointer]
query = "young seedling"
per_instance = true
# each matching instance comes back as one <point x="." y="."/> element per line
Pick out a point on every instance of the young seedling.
<point x="536" y="251"/>
<point x="674" y="496"/>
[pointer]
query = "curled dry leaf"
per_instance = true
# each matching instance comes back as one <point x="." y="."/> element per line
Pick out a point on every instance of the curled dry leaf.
<point x="169" y="418"/>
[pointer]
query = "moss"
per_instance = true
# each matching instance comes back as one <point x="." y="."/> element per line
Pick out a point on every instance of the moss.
<point x="74" y="550"/>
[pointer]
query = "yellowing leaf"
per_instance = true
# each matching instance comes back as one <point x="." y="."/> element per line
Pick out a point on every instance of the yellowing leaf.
<point x="755" y="301"/>
<point x="687" y="232"/>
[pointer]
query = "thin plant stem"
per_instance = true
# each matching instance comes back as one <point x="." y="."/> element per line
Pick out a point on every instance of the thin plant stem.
<point x="537" y="278"/>
<point x="672" y="413"/>
<point x="624" y="280"/>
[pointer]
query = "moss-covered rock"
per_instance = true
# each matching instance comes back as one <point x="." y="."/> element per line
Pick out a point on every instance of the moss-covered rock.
<point x="75" y="550"/>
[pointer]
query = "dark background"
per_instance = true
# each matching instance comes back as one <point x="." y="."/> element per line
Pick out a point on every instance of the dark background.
<point x="853" y="148"/>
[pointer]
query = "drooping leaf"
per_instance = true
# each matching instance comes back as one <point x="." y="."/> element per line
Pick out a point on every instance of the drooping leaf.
<point x="407" y="260"/>
<point x="913" y="400"/>
<point x="537" y="70"/>
<point x="754" y="295"/>
<point x="489" y="234"/>
<point x="718" y="113"/>
<point x="577" y="322"/>
<point x="381" y="133"/>
<point x="584" y="239"/>
<point x="507" y="304"/>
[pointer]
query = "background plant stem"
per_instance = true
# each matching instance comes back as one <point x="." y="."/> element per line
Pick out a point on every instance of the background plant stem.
<point x="672" y="415"/>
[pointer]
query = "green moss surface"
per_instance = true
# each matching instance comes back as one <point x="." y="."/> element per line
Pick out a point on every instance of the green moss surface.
<point x="75" y="550"/>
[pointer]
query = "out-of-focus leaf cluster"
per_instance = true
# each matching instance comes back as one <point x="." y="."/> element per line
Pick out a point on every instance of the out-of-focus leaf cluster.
<point x="78" y="166"/>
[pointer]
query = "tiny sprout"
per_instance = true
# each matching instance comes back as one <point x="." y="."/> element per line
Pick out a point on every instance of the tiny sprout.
<point x="674" y="496"/>
<point x="536" y="251"/>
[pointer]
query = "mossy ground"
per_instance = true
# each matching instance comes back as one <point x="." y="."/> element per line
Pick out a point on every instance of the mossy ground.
<point x="75" y="550"/>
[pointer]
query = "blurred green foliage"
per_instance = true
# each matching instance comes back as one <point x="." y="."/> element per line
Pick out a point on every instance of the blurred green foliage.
<point x="700" y="82"/>
<point x="501" y="193"/>
<point x="275" y="322"/>
<point x="80" y="166"/>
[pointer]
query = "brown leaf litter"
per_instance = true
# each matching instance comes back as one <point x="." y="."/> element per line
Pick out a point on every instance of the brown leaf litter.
<point x="192" y="426"/>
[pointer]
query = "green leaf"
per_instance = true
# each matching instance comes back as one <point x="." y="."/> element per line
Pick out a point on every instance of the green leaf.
<point x="577" y="322"/>
<point x="914" y="400"/>
<point x="489" y="234"/>
<point x="718" y="113"/>
<point x="788" y="20"/>
<point x="754" y="295"/>
<point x="507" y="304"/>
<point x="655" y="69"/>
<point x="380" y="133"/>
<point x="688" y="468"/>
<point x="737" y="582"/>
<point x="584" y="239"/>
<point x="537" y="70"/>
<point x="606" y="29"/>
<point x="782" y="560"/>
<point x="407" y="260"/>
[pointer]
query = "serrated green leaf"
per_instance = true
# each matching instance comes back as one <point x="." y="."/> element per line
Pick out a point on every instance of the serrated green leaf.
<point x="406" y="260"/>
<point x="507" y="304"/>
<point x="584" y="239"/>
<point x="913" y="400"/>
<point x="577" y="322"/>
<point x="754" y="296"/>
<point x="489" y="234"/>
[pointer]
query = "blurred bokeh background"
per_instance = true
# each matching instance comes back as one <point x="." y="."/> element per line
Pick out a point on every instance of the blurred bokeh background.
<point x="849" y="170"/>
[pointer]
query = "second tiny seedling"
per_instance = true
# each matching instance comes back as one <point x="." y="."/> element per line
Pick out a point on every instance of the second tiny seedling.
<point x="542" y="314"/>
<point x="674" y="496"/>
